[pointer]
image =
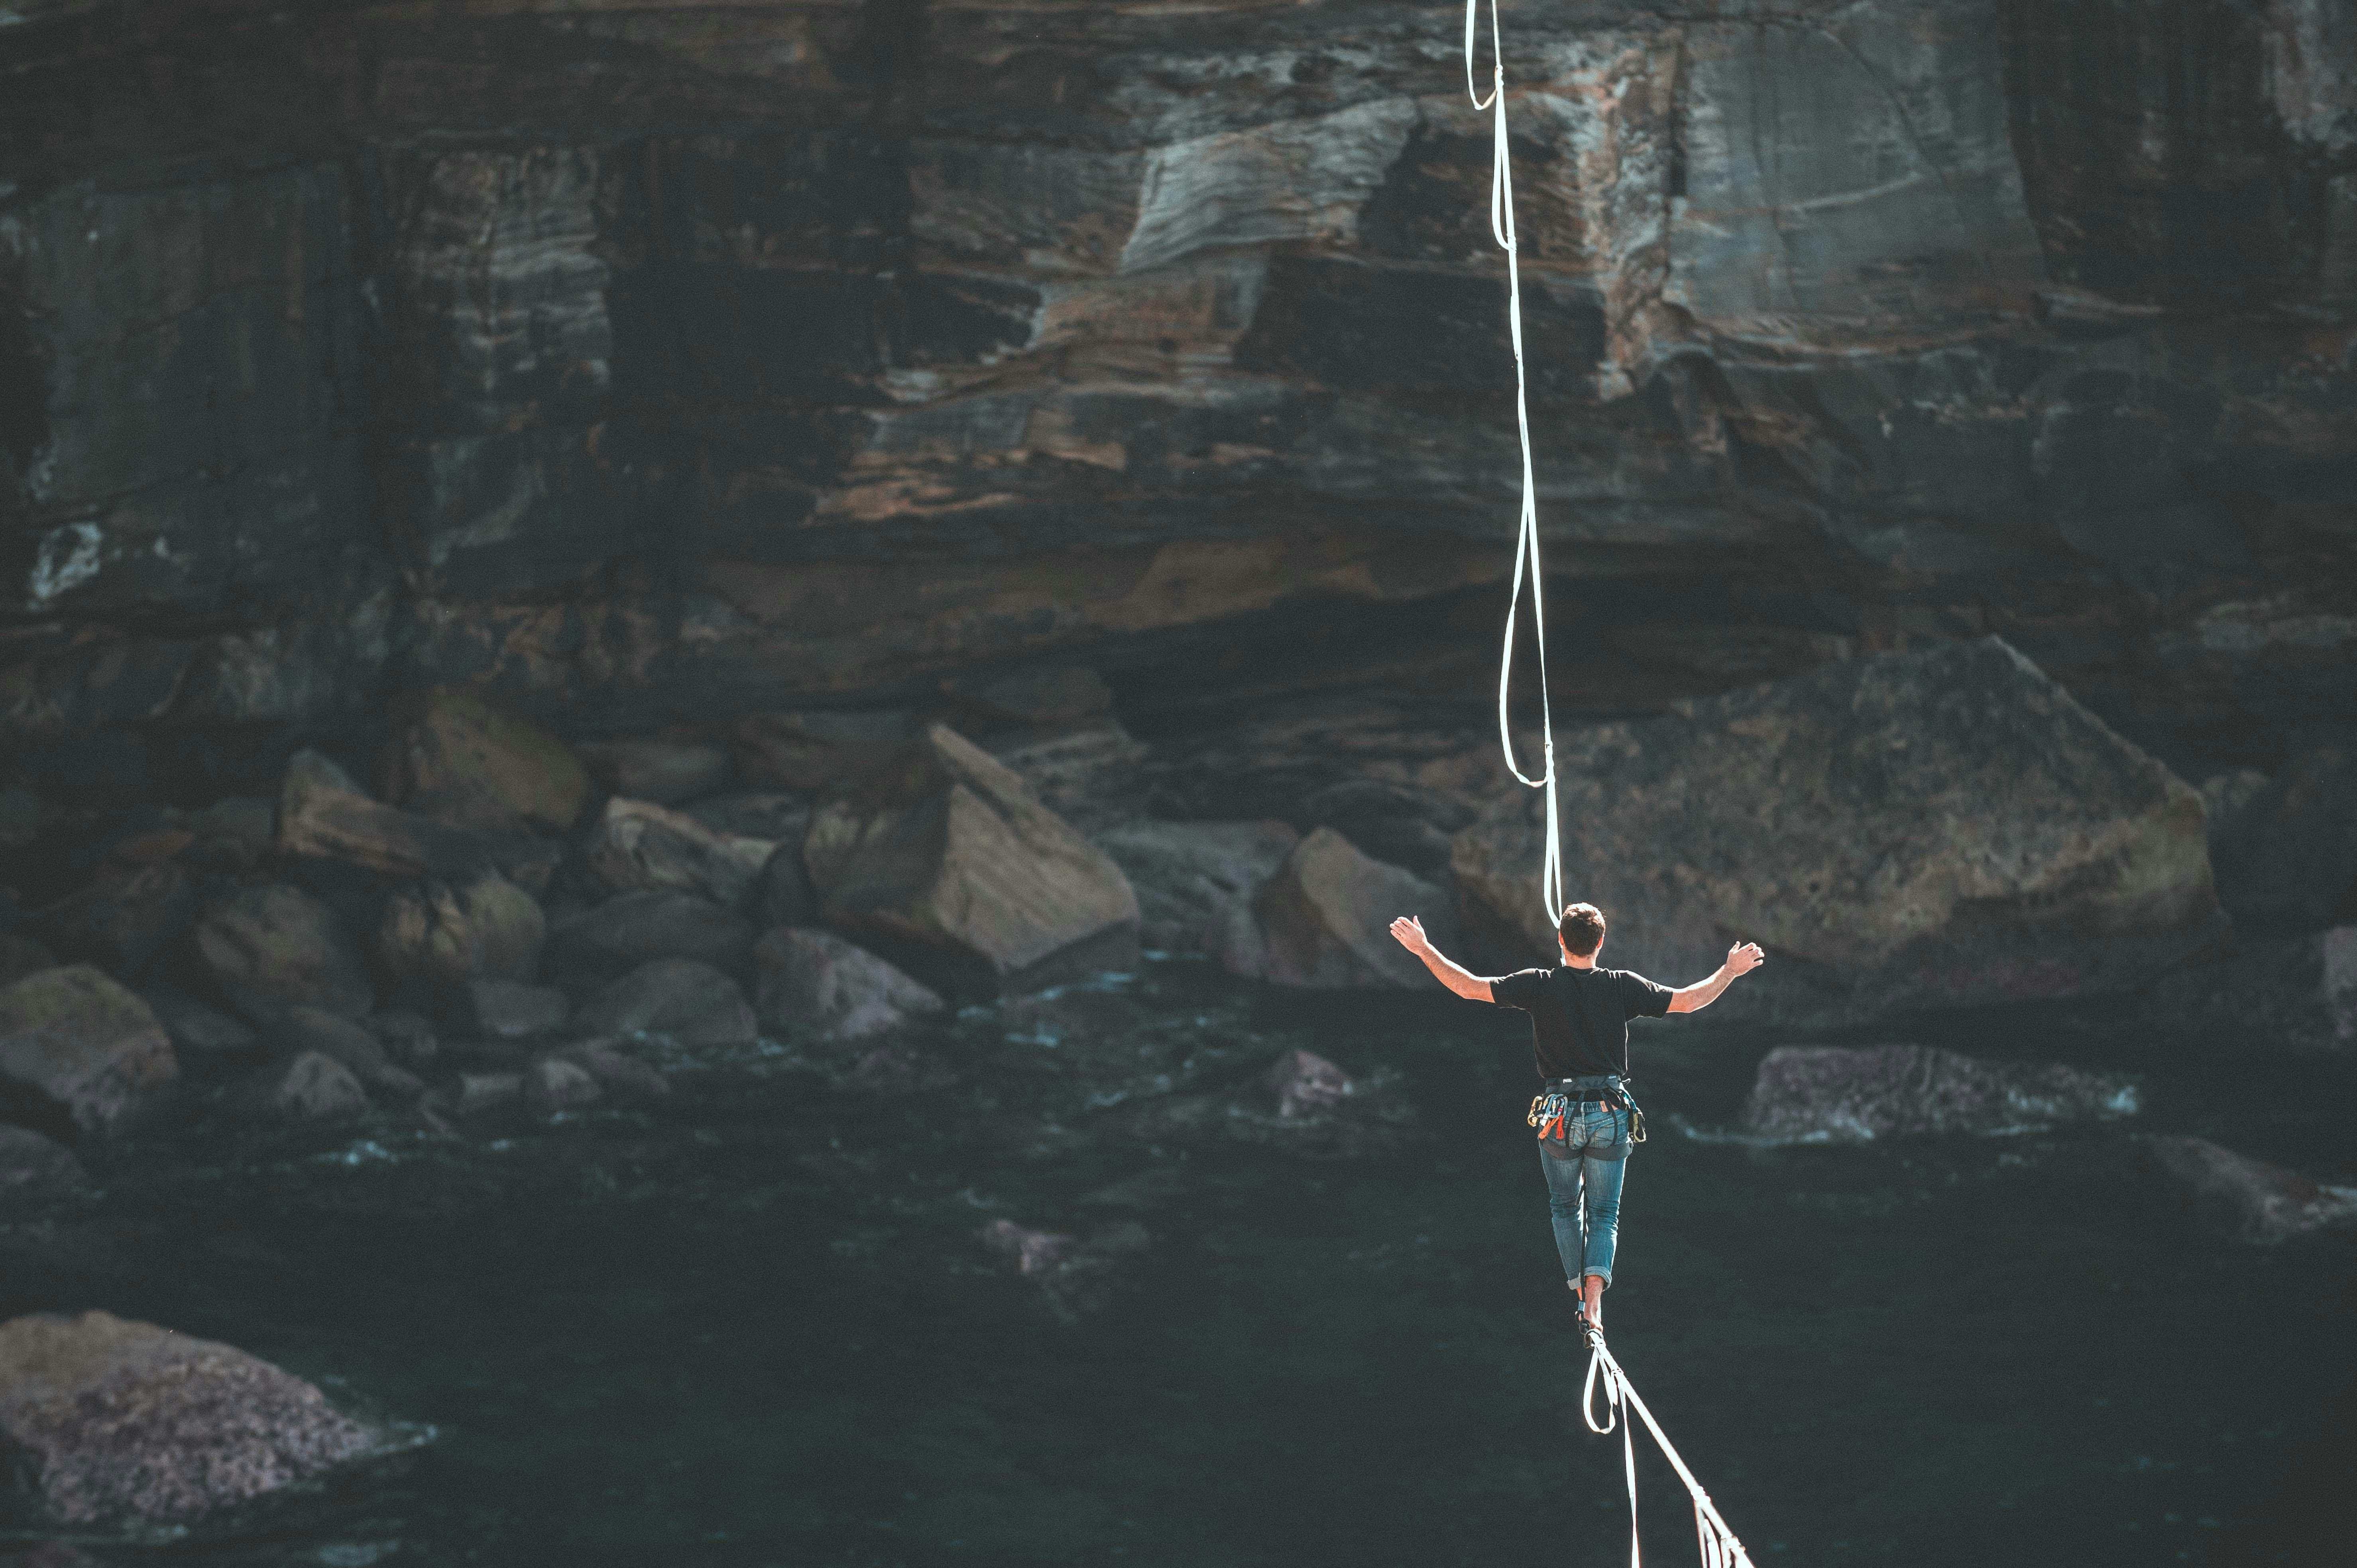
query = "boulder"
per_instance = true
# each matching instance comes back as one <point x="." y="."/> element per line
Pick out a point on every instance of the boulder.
<point x="1193" y="878"/>
<point x="1324" y="919"/>
<point x="35" y="1170"/>
<point x="786" y="897"/>
<point x="407" y="1037"/>
<point x="763" y="814"/>
<point x="503" y="1010"/>
<point x="654" y="768"/>
<point x="311" y="1086"/>
<point x="271" y="947"/>
<point x="123" y="918"/>
<point x="945" y="862"/>
<point x="1915" y="830"/>
<point x="464" y="761"/>
<point x="193" y="1026"/>
<point x="2296" y="993"/>
<point x="437" y="937"/>
<point x="22" y="955"/>
<point x="80" y="1053"/>
<point x="2247" y="1199"/>
<point x="637" y="927"/>
<point x="322" y="813"/>
<point x="809" y="752"/>
<point x="1887" y="1092"/>
<point x="121" y="1425"/>
<point x="1306" y="1084"/>
<point x="616" y="1070"/>
<point x="2285" y="848"/>
<point x="693" y="1004"/>
<point x="300" y="1031"/>
<point x="817" y="981"/>
<point x="234" y="834"/>
<point x="1075" y="1276"/>
<point x="552" y="1084"/>
<point x="481" y="1092"/>
<point x="639" y="845"/>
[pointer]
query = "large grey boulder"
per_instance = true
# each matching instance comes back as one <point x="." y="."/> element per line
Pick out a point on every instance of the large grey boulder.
<point x="622" y="933"/>
<point x="1916" y="829"/>
<point x="639" y="845"/>
<point x="2249" y="1200"/>
<point x="464" y="760"/>
<point x="80" y="1052"/>
<point x="817" y="981"/>
<point x="439" y="937"/>
<point x="1323" y="920"/>
<point x="311" y="1086"/>
<point x="1888" y="1091"/>
<point x="271" y="947"/>
<point x="34" y="1169"/>
<point x="313" y="1031"/>
<point x="946" y="865"/>
<point x="122" y="1425"/>
<point x="693" y="1004"/>
<point x="1193" y="879"/>
<point x="323" y="814"/>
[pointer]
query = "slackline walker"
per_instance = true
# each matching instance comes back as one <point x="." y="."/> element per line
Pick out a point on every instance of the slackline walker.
<point x="1720" y="1549"/>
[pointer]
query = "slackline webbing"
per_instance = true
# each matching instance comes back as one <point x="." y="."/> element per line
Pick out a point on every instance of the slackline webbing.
<point x="1720" y="1549"/>
<point x="1526" y="537"/>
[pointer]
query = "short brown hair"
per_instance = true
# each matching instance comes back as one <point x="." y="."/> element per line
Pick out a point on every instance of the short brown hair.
<point x="1581" y="928"/>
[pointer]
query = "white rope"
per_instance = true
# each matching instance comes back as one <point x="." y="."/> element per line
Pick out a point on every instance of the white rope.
<point x="1720" y="1549"/>
<point x="1526" y="540"/>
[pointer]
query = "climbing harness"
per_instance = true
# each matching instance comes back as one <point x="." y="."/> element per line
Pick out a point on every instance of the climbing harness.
<point x="1551" y="1113"/>
<point x="1526" y="537"/>
<point x="1720" y="1549"/>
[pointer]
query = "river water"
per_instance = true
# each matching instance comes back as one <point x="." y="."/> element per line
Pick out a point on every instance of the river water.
<point x="752" y="1325"/>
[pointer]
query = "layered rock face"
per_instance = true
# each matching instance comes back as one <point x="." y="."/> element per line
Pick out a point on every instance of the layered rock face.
<point x="641" y="363"/>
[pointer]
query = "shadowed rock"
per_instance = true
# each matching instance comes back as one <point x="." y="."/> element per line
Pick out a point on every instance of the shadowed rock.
<point x="408" y="1037"/>
<point x="480" y="1092"/>
<point x="756" y="814"/>
<point x="808" y="752"/>
<point x="123" y="1424"/>
<point x="309" y="1087"/>
<point x="23" y="955"/>
<point x="313" y="1029"/>
<point x="2285" y="848"/>
<point x="322" y="813"/>
<point x="35" y="1170"/>
<point x="465" y="761"/>
<point x="2247" y="1199"/>
<point x="1942" y="828"/>
<point x="947" y="865"/>
<point x="1305" y="1084"/>
<point x="693" y="1004"/>
<point x="1193" y="878"/>
<point x="653" y="768"/>
<point x="622" y="933"/>
<point x="124" y="919"/>
<point x="503" y="1010"/>
<point x="817" y="981"/>
<point x="273" y="947"/>
<point x="80" y="1052"/>
<point x="193" y="1026"/>
<point x="437" y="937"/>
<point x="640" y="845"/>
<point x="1883" y="1091"/>
<point x="555" y="1083"/>
<point x="1075" y="1276"/>
<point x="1325" y="919"/>
<point x="617" y="1070"/>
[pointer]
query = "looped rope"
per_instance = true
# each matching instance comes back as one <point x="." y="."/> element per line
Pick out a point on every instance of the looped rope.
<point x="1526" y="538"/>
<point x="1720" y="1549"/>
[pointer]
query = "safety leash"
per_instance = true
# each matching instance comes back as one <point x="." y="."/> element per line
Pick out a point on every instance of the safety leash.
<point x="1719" y="1547"/>
<point x="1526" y="538"/>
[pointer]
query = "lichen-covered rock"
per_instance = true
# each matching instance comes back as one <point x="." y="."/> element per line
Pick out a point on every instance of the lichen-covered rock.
<point x="1192" y="877"/>
<point x="658" y="768"/>
<point x="948" y="866"/>
<point x="817" y="981"/>
<point x="1325" y="918"/>
<point x="622" y="933"/>
<point x="311" y="1086"/>
<point x="122" y="1425"/>
<point x="34" y="1169"/>
<point x="691" y="1003"/>
<point x="437" y="937"/>
<point x="464" y="760"/>
<point x="79" y="1051"/>
<point x="2249" y="1200"/>
<point x="123" y="918"/>
<point x="1889" y="1091"/>
<point x="1916" y="829"/>
<point x="639" y="845"/>
<point x="271" y="947"/>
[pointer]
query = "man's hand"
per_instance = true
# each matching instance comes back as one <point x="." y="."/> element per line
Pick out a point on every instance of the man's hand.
<point x="1409" y="932"/>
<point x="1743" y="958"/>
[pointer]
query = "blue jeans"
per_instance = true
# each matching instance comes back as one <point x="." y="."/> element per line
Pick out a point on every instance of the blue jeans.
<point x="1584" y="1192"/>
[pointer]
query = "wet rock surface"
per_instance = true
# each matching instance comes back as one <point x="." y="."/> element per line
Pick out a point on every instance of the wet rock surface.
<point x="311" y="1086"/>
<point x="128" y="1425"/>
<point x="1893" y="1091"/>
<point x="691" y="1002"/>
<point x="817" y="981"/>
<point x="2250" y="1200"/>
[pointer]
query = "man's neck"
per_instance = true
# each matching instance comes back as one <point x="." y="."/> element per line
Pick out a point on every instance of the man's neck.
<point x="1571" y="962"/>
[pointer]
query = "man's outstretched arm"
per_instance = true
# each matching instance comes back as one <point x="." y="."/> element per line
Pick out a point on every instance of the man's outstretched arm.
<point x="1741" y="958"/>
<point x="1409" y="931"/>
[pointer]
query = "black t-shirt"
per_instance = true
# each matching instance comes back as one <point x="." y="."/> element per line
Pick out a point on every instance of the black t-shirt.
<point x="1598" y="1042"/>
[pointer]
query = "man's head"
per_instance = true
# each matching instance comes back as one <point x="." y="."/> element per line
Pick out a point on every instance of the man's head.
<point x="1581" y="930"/>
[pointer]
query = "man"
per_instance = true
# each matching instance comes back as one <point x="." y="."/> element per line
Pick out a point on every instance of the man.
<point x="1579" y="1036"/>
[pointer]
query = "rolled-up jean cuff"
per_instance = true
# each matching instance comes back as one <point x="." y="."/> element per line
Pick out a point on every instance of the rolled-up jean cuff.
<point x="1604" y="1275"/>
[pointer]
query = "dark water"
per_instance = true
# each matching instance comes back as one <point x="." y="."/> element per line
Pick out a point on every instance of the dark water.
<point x="754" y="1327"/>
